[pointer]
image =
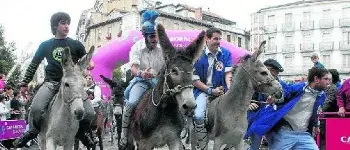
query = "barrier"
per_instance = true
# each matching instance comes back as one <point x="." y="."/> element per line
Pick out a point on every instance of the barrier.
<point x="12" y="129"/>
<point x="337" y="135"/>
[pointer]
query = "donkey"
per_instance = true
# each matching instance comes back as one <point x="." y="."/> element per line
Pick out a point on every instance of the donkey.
<point x="159" y="117"/>
<point x="227" y="114"/>
<point x="118" y="100"/>
<point x="61" y="122"/>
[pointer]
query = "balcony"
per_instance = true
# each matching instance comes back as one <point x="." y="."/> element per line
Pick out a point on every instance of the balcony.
<point x="326" y="46"/>
<point x="326" y="23"/>
<point x="288" y="27"/>
<point x="306" y="47"/>
<point x="344" y="22"/>
<point x="288" y="48"/>
<point x="344" y="45"/>
<point x="271" y="49"/>
<point x="270" y="28"/>
<point x="307" y="25"/>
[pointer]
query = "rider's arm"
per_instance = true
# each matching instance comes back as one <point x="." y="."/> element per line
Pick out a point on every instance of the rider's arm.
<point x="98" y="95"/>
<point x="37" y="59"/>
<point x="228" y="70"/>
<point x="135" y="58"/>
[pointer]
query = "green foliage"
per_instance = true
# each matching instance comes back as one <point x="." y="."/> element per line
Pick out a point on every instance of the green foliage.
<point x="14" y="79"/>
<point x="117" y="73"/>
<point x="7" y="57"/>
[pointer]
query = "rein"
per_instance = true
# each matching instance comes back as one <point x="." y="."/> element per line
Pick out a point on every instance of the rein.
<point x="259" y="83"/>
<point x="168" y="91"/>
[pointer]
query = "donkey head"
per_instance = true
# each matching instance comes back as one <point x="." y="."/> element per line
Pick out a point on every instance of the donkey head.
<point x="72" y="85"/>
<point x="260" y="76"/>
<point x="179" y="68"/>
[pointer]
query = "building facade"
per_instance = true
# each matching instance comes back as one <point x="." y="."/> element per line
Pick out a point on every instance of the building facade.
<point x="295" y="31"/>
<point x="110" y="19"/>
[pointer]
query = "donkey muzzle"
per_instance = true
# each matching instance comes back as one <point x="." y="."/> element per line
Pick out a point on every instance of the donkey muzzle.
<point x="79" y="113"/>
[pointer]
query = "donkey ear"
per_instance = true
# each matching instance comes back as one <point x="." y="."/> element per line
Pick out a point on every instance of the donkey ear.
<point x="195" y="49"/>
<point x="165" y="44"/>
<point x="66" y="60"/>
<point x="84" y="61"/>
<point x="259" y="51"/>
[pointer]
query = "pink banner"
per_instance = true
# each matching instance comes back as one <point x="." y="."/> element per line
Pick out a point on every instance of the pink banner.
<point x="11" y="129"/>
<point x="337" y="134"/>
<point x="116" y="53"/>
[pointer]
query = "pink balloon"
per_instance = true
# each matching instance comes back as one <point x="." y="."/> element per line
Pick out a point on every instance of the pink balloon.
<point x="116" y="53"/>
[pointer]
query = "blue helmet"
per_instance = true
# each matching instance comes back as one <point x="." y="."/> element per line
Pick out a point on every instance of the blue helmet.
<point x="148" y="21"/>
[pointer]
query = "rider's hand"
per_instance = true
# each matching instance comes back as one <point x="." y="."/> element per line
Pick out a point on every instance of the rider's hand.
<point x="253" y="106"/>
<point x="146" y="74"/>
<point x="270" y="99"/>
<point x="341" y="112"/>
<point x="217" y="91"/>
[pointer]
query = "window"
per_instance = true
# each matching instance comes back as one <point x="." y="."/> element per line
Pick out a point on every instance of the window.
<point x="271" y="19"/>
<point x="271" y="44"/>
<point x="228" y="38"/>
<point x="288" y="39"/>
<point x="346" y="12"/>
<point x="307" y="16"/>
<point x="307" y="37"/>
<point x="255" y="18"/>
<point x="288" y="64"/>
<point x="346" y="37"/>
<point x="326" y="60"/>
<point x="346" y="61"/>
<point x="99" y="34"/>
<point x="288" y="17"/>
<point x="239" y="42"/>
<point x="326" y="37"/>
<point x="326" y="14"/>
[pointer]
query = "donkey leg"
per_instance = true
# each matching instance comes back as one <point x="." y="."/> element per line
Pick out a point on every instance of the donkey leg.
<point x="42" y="143"/>
<point x="217" y="143"/>
<point x="50" y="144"/>
<point x="68" y="146"/>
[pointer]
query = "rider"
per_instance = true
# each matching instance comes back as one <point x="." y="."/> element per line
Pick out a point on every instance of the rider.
<point x="52" y="51"/>
<point x="146" y="60"/>
<point x="94" y="94"/>
<point x="211" y="77"/>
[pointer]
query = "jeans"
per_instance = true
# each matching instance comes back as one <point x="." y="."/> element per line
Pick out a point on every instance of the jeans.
<point x="136" y="91"/>
<point x="201" y="101"/>
<point x="286" y="139"/>
<point x="255" y="142"/>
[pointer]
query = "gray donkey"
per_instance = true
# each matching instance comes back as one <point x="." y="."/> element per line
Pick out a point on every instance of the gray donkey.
<point x="158" y="118"/>
<point x="61" y="122"/>
<point x="227" y="114"/>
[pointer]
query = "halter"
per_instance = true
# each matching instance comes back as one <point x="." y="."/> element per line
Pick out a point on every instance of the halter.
<point x="259" y="83"/>
<point x="168" y="91"/>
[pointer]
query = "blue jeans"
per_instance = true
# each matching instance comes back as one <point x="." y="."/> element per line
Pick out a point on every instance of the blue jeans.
<point x="255" y="142"/>
<point x="286" y="139"/>
<point x="136" y="92"/>
<point x="199" y="112"/>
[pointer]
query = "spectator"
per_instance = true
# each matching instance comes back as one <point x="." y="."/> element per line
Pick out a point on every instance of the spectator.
<point x="2" y="83"/>
<point x="3" y="110"/>
<point x="315" y="60"/>
<point x="330" y="104"/>
<point x="343" y="98"/>
<point x="15" y="107"/>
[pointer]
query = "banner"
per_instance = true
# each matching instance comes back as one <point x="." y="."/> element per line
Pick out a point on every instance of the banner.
<point x="11" y="129"/>
<point x="337" y="134"/>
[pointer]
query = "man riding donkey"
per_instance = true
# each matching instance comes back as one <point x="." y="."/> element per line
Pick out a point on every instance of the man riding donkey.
<point x="146" y="60"/>
<point x="52" y="50"/>
<point x="211" y="78"/>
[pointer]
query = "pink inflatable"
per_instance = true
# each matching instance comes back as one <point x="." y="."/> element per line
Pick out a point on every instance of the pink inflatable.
<point x="116" y="53"/>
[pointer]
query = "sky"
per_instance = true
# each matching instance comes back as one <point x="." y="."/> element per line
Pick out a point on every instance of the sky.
<point x="28" y="21"/>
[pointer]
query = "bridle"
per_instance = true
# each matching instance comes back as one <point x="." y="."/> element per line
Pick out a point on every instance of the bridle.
<point x="168" y="92"/>
<point x="258" y="83"/>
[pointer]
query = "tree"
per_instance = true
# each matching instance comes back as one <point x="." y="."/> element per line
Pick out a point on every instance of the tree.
<point x="14" y="79"/>
<point x="117" y="73"/>
<point x="7" y="57"/>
